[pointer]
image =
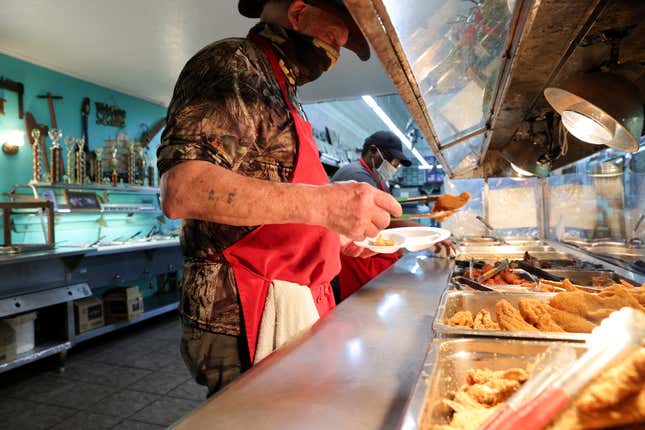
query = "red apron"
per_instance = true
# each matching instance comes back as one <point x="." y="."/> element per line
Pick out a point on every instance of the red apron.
<point x="356" y="272"/>
<point x="303" y="254"/>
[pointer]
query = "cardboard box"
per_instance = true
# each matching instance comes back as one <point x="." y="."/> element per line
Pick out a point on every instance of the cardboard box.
<point x="24" y="328"/>
<point x="122" y="304"/>
<point x="7" y="342"/>
<point x="89" y="314"/>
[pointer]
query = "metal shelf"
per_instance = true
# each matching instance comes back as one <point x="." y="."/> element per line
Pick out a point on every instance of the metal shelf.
<point x="35" y="354"/>
<point x="117" y="189"/>
<point x="157" y="305"/>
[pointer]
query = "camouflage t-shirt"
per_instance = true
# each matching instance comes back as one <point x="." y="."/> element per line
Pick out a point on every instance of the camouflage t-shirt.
<point x="226" y="109"/>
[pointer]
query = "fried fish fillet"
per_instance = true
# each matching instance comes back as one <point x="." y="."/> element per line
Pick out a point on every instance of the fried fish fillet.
<point x="448" y="202"/>
<point x="570" y="322"/>
<point x="484" y="321"/>
<point x="614" y="385"/>
<point x="535" y="313"/>
<point x="461" y="319"/>
<point x="510" y="318"/>
<point x="595" y="306"/>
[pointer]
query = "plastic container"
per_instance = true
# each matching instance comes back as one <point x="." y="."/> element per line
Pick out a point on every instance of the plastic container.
<point x="24" y="328"/>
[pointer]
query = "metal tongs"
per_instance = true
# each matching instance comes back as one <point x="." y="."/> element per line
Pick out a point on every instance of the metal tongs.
<point x="534" y="405"/>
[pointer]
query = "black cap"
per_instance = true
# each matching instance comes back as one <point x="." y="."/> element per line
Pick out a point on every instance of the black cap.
<point x="389" y="144"/>
<point x="356" y="41"/>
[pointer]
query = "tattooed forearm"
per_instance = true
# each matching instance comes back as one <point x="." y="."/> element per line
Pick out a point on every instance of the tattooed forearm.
<point x="211" y="196"/>
<point x="230" y="197"/>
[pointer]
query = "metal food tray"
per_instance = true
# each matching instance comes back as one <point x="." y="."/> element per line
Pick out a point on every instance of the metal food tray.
<point x="445" y="368"/>
<point x="474" y="301"/>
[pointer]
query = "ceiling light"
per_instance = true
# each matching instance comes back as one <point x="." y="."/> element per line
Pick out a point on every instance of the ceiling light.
<point x="369" y="100"/>
<point x="585" y="128"/>
<point x="600" y="108"/>
<point x="521" y="171"/>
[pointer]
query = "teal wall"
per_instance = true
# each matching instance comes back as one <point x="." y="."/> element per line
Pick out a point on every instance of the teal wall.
<point x="72" y="229"/>
<point x="39" y="80"/>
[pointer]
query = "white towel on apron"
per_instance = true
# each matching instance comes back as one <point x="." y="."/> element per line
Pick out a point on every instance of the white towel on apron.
<point x="289" y="310"/>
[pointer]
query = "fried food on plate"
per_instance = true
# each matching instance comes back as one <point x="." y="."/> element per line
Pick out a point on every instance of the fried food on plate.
<point x="535" y="313"/>
<point x="379" y="241"/>
<point x="484" y="321"/>
<point x="461" y="319"/>
<point x="510" y="318"/>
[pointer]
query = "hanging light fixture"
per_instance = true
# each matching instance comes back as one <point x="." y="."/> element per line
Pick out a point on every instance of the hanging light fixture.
<point x="600" y="108"/>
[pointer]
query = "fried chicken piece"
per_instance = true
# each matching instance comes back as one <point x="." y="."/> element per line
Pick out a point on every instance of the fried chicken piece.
<point x="535" y="313"/>
<point x="569" y="322"/>
<point x="614" y="385"/>
<point x="484" y="321"/>
<point x="448" y="202"/>
<point x="483" y="376"/>
<point x="630" y="411"/>
<point x="493" y="392"/>
<point x="595" y="306"/>
<point x="461" y="319"/>
<point x="510" y="318"/>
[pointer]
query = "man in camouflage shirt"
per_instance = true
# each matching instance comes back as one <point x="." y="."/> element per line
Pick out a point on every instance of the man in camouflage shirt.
<point x="225" y="160"/>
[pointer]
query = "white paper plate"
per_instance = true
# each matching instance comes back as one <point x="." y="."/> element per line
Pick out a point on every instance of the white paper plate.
<point x="411" y="238"/>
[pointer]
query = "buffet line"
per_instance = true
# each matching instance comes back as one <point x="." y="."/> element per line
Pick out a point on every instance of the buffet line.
<point x="534" y="336"/>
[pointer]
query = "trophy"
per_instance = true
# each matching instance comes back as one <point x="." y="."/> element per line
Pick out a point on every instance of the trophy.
<point x="141" y="172"/>
<point x="70" y="146"/>
<point x="114" y="163"/>
<point x="57" y="161"/>
<point x="98" y="165"/>
<point x="132" y="160"/>
<point x="80" y="161"/>
<point x="35" y="135"/>
<point x="149" y="162"/>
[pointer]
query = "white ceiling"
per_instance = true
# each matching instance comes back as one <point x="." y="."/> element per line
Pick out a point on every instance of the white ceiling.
<point x="139" y="47"/>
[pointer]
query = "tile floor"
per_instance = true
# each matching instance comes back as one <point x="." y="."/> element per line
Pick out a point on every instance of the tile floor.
<point x="131" y="379"/>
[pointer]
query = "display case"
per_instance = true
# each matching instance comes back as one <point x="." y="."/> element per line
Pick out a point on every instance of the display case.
<point x="448" y="60"/>
<point x="475" y="74"/>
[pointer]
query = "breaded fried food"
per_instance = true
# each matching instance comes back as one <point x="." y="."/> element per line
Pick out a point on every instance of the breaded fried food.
<point x="448" y="202"/>
<point x="595" y="306"/>
<point x="493" y="392"/>
<point x="510" y="318"/>
<point x="535" y="313"/>
<point x="484" y="321"/>
<point x="483" y="376"/>
<point x="614" y="385"/>
<point x="630" y="412"/>
<point x="569" y="322"/>
<point x="461" y="319"/>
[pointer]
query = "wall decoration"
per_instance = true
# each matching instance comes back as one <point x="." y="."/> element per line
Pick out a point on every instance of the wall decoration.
<point x="18" y="88"/>
<point x="112" y="116"/>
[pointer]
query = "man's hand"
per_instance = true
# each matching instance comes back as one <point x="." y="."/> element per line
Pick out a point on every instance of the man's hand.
<point x="350" y="249"/>
<point x="356" y="210"/>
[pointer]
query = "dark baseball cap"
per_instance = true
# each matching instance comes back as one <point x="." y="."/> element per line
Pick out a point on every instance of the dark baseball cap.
<point x="356" y="41"/>
<point x="389" y="144"/>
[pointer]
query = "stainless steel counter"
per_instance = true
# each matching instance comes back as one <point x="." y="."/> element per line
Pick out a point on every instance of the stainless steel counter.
<point x="356" y="368"/>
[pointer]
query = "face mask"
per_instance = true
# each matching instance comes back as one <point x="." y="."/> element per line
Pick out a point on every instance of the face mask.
<point x="386" y="170"/>
<point x="311" y="56"/>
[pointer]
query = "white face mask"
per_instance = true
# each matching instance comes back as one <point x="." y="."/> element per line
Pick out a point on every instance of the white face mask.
<point x="386" y="170"/>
